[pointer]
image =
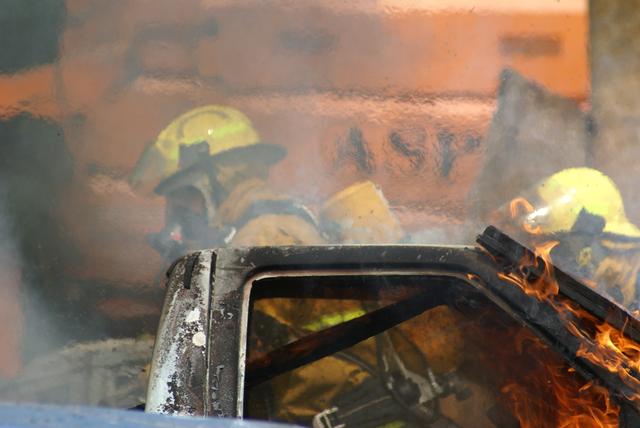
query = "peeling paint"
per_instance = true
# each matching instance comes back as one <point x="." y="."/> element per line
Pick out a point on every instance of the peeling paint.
<point x="175" y="385"/>
<point x="199" y="339"/>
<point x="194" y="315"/>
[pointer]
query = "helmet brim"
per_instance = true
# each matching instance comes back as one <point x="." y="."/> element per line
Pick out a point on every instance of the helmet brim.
<point x="623" y="228"/>
<point x="266" y="154"/>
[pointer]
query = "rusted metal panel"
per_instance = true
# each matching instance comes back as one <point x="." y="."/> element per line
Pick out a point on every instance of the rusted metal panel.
<point x="177" y="382"/>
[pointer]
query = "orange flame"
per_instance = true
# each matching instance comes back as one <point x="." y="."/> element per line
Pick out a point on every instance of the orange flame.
<point x="601" y="344"/>
<point x="610" y="349"/>
<point x="539" y="287"/>
<point x="542" y="391"/>
<point x="588" y="406"/>
<point x="521" y="207"/>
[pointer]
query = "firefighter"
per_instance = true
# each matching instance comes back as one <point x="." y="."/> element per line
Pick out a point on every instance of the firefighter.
<point x="584" y="211"/>
<point x="426" y="347"/>
<point x="212" y="169"/>
<point x="360" y="214"/>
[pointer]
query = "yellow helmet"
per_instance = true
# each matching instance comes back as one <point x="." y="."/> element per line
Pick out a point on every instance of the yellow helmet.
<point x="224" y="129"/>
<point x="565" y="194"/>
<point x="360" y="214"/>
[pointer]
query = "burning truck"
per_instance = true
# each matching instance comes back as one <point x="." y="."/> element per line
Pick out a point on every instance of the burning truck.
<point x="275" y="323"/>
<point x="362" y="335"/>
<point x="533" y="346"/>
<point x="297" y="292"/>
<point x="533" y="326"/>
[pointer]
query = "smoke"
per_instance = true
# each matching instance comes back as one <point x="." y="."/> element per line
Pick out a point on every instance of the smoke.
<point x="614" y="106"/>
<point x="395" y="92"/>
<point x="34" y="168"/>
<point x="11" y="309"/>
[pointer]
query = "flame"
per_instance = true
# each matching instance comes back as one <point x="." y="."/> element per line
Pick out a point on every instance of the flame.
<point x="537" y="286"/>
<point x="600" y="343"/>
<point x="520" y="207"/>
<point x="538" y="387"/>
<point x="565" y="403"/>
<point x="611" y="350"/>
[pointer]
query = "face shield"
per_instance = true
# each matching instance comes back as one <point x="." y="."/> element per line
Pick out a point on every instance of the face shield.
<point x="189" y="216"/>
<point x="529" y="217"/>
